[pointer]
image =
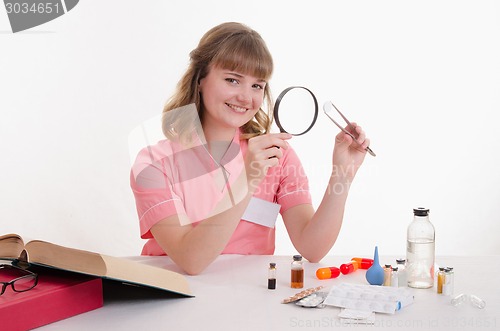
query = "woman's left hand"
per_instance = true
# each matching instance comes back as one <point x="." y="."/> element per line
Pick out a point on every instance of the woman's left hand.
<point x="349" y="154"/>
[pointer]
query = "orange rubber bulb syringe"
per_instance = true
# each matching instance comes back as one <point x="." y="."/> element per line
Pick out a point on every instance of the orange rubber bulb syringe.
<point x="327" y="273"/>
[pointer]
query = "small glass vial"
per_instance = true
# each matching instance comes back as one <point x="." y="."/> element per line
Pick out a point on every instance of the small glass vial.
<point x="440" y="280"/>
<point x="394" y="277"/>
<point x="448" y="281"/>
<point x="271" y="279"/>
<point x="297" y="272"/>
<point x="402" y="275"/>
<point x="387" y="275"/>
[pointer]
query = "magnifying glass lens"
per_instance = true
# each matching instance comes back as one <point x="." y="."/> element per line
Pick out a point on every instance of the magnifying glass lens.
<point x="295" y="110"/>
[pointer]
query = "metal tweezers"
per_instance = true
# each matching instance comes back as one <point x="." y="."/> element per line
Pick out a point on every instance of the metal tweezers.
<point x="327" y="109"/>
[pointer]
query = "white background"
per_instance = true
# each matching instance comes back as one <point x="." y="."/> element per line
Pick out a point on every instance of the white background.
<point x="421" y="77"/>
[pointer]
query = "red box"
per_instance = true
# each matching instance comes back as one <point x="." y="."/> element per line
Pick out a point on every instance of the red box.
<point x="58" y="295"/>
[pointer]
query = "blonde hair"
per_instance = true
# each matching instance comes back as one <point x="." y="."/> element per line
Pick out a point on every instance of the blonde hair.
<point x="232" y="46"/>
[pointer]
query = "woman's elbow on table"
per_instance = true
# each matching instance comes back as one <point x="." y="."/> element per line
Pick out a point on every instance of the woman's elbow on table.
<point x="193" y="270"/>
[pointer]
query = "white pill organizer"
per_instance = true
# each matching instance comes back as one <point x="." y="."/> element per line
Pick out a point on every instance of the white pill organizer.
<point x="379" y="299"/>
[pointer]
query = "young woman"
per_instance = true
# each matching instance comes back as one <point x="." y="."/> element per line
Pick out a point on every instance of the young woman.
<point x="194" y="190"/>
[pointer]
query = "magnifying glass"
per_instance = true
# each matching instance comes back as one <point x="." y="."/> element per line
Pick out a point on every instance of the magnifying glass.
<point x="296" y="120"/>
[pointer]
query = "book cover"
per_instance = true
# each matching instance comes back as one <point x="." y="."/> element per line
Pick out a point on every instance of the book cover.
<point x="58" y="295"/>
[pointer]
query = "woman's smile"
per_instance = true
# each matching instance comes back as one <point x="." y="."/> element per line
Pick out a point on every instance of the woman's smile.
<point x="237" y="109"/>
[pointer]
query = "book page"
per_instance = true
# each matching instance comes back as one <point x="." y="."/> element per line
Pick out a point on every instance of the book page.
<point x="11" y="246"/>
<point x="71" y="259"/>
<point x="143" y="274"/>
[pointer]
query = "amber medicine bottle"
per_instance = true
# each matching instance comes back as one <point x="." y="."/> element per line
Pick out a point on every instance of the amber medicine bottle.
<point x="297" y="272"/>
<point x="440" y="280"/>
<point x="271" y="279"/>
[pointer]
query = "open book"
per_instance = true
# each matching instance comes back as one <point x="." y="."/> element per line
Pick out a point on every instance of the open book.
<point x="42" y="253"/>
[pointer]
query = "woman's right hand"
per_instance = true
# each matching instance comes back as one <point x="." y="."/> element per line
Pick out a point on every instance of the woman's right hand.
<point x="263" y="152"/>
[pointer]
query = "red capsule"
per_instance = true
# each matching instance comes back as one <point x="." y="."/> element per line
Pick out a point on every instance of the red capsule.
<point x="363" y="263"/>
<point x="327" y="273"/>
<point x="347" y="268"/>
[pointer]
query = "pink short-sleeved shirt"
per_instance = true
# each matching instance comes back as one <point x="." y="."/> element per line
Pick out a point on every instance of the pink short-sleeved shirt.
<point x="169" y="179"/>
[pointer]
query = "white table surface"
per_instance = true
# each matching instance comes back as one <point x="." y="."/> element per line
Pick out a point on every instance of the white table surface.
<point x="232" y="294"/>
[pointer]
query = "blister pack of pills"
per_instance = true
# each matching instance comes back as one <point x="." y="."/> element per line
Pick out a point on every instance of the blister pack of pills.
<point x="302" y="294"/>
<point x="314" y="300"/>
<point x="379" y="299"/>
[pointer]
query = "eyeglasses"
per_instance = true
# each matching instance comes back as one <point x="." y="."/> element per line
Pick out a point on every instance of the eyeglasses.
<point x="22" y="280"/>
